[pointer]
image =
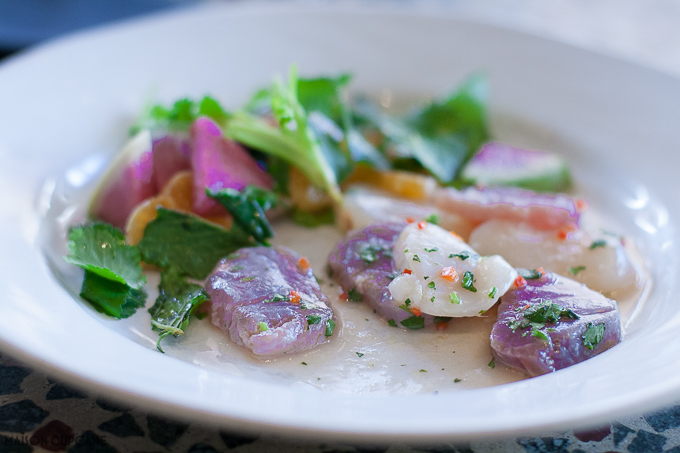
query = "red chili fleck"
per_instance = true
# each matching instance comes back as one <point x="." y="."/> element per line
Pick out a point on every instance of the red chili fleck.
<point x="344" y="296"/>
<point x="416" y="311"/>
<point x="295" y="297"/>
<point x="422" y="225"/>
<point x="441" y="325"/>
<point x="449" y="273"/>
<point x="410" y="220"/>
<point x="303" y="264"/>
<point x="407" y="271"/>
<point x="562" y="235"/>
<point x="520" y="282"/>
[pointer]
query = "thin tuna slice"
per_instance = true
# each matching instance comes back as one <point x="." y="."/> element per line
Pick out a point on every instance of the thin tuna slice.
<point x="551" y="323"/>
<point x="268" y="301"/>
<point x="363" y="266"/>
<point x="541" y="211"/>
<point x="170" y="156"/>
<point x="220" y="163"/>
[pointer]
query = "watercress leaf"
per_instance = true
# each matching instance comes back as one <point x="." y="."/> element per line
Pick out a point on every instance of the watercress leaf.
<point x="248" y="207"/>
<point x="101" y="249"/>
<point x="188" y="242"/>
<point x="177" y="300"/>
<point x="111" y="297"/>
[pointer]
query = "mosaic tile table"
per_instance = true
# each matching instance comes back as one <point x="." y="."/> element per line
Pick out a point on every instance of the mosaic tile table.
<point x="39" y="414"/>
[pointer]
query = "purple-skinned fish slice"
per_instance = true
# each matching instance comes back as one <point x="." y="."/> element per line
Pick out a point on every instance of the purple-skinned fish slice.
<point x="565" y="344"/>
<point x="370" y="279"/>
<point x="254" y="296"/>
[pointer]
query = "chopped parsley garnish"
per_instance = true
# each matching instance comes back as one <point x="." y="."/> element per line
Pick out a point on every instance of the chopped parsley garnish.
<point x="548" y="312"/>
<point x="101" y="249"/>
<point x="433" y="249"/>
<point x="354" y="295"/>
<point x="432" y="299"/>
<point x="370" y="253"/>
<point x="313" y="319"/>
<point x="492" y="364"/>
<point x="262" y="326"/>
<point x="423" y="371"/>
<point x="492" y="293"/>
<point x="413" y="323"/>
<point x="462" y="255"/>
<point x="432" y="218"/>
<point x="468" y="282"/>
<point x="431" y="285"/>
<point x="593" y="335"/>
<point x="392" y="323"/>
<point x="177" y="300"/>
<point x="453" y="297"/>
<point x="277" y="298"/>
<point x="456" y="380"/>
<point x="415" y="258"/>
<point x="188" y="243"/>
<point x="360" y="354"/>
<point x="598" y="243"/>
<point x="575" y="270"/>
<point x="530" y="274"/>
<point x="247" y="279"/>
<point x="330" y="327"/>
<point x="303" y="363"/>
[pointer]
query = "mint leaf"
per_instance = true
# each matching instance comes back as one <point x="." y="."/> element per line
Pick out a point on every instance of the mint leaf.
<point x="248" y="209"/>
<point x="101" y="249"/>
<point x="111" y="297"/>
<point x="177" y="300"/>
<point x="192" y="245"/>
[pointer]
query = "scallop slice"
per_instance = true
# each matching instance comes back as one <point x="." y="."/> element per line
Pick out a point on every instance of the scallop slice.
<point x="441" y="275"/>
<point x="600" y="262"/>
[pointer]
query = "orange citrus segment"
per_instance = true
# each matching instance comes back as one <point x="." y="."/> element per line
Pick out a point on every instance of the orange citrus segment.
<point x="144" y="213"/>
<point x="403" y="184"/>
<point x="303" y="195"/>
<point x="180" y="188"/>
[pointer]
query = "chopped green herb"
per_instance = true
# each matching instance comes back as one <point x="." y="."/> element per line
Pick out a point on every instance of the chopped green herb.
<point x="433" y="249"/>
<point x="303" y="363"/>
<point x="354" y="295"/>
<point x="415" y="258"/>
<point x="407" y="302"/>
<point x="432" y="299"/>
<point x="432" y="218"/>
<point x="277" y="298"/>
<point x="456" y="380"/>
<point x="454" y="298"/>
<point x="598" y="243"/>
<point x="576" y="270"/>
<point x="235" y="268"/>
<point x="360" y="354"/>
<point x="392" y="323"/>
<point x="423" y="371"/>
<point x="177" y="300"/>
<point x="111" y="297"/>
<point x="492" y="293"/>
<point x="537" y="333"/>
<point x="262" y="326"/>
<point x="313" y="319"/>
<point x="530" y="274"/>
<point x="468" y="282"/>
<point x="426" y="277"/>
<point x="593" y="335"/>
<point x="492" y="364"/>
<point x="330" y="327"/>
<point x="462" y="255"/>
<point x="101" y="249"/>
<point x="370" y="252"/>
<point x="546" y="311"/>
<point x="413" y="323"/>
<point x="431" y="285"/>
<point x="247" y="279"/>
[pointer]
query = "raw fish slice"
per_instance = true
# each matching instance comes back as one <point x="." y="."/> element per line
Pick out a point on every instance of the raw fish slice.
<point x="268" y="300"/>
<point x="508" y="203"/>
<point x="220" y="163"/>
<point x="362" y="264"/>
<point x="600" y="262"/>
<point x="538" y="350"/>
<point x="363" y="207"/>
<point x="170" y="155"/>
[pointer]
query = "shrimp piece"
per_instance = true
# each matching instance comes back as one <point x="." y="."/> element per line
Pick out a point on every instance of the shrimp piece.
<point x="600" y="262"/>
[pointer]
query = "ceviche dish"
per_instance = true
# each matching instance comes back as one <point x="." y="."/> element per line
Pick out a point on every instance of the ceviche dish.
<point x="334" y="241"/>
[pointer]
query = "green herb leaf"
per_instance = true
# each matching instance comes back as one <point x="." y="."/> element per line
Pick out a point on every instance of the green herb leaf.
<point x="593" y="335"/>
<point x="188" y="243"/>
<point x="313" y="319"/>
<point x="392" y="323"/>
<point x="456" y="380"/>
<point x="262" y="326"/>
<point x="462" y="255"/>
<point x="413" y="323"/>
<point x="248" y="207"/>
<point x="360" y="354"/>
<point x="598" y="243"/>
<point x="548" y="312"/>
<point x="432" y="218"/>
<point x="330" y="327"/>
<point x="177" y="300"/>
<point x="101" y="249"/>
<point x="433" y="249"/>
<point x="492" y="364"/>
<point x="530" y="274"/>
<point x="111" y="297"/>
<point x="576" y="270"/>
<point x="431" y="285"/>
<point x="454" y="298"/>
<point x="492" y="293"/>
<point x="416" y="258"/>
<point x="354" y="295"/>
<point x="468" y="281"/>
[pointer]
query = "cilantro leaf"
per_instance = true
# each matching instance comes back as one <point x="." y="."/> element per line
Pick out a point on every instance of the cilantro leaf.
<point x="187" y="242"/>
<point x="177" y="300"/>
<point x="330" y="327"/>
<point x="248" y="209"/>
<point x="101" y="249"/>
<point x="547" y="311"/>
<point x="468" y="281"/>
<point x="111" y="297"/>
<point x="593" y="335"/>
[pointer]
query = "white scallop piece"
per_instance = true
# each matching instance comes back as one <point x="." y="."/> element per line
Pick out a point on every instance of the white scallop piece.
<point x="447" y="277"/>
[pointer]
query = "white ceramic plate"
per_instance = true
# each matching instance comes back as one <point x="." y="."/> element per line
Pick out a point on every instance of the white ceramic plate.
<point x="74" y="98"/>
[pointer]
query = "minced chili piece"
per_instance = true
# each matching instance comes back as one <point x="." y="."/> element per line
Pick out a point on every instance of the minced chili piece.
<point x="416" y="311"/>
<point x="303" y="264"/>
<point x="295" y="297"/>
<point x="422" y="225"/>
<point x="407" y="271"/>
<point x="410" y="220"/>
<point x="344" y="296"/>
<point x="441" y="325"/>
<point x="520" y="282"/>
<point x="449" y="273"/>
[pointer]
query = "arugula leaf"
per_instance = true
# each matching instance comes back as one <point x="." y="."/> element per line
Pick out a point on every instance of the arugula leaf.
<point x="177" y="300"/>
<point x="101" y="249"/>
<point x="440" y="136"/>
<point x="111" y="297"/>
<point x="189" y="243"/>
<point x="248" y="209"/>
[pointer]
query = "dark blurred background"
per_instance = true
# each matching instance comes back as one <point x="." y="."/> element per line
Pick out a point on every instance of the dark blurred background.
<point x="26" y="22"/>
